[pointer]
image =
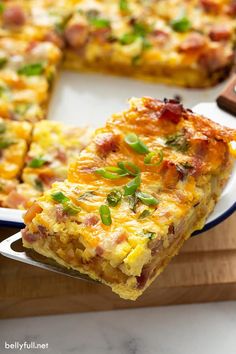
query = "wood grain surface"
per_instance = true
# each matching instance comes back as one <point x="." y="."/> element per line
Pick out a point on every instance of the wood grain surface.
<point x="205" y="270"/>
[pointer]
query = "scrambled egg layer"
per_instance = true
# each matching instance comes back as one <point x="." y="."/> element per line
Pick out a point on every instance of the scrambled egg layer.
<point x="131" y="244"/>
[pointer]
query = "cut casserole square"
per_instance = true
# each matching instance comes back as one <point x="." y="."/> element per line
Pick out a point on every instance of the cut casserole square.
<point x="14" y="140"/>
<point x="27" y="71"/>
<point x="180" y="42"/>
<point x="149" y="179"/>
<point x="52" y="147"/>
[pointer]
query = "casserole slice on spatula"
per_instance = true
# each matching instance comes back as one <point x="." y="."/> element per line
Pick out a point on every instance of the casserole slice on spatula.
<point x="148" y="180"/>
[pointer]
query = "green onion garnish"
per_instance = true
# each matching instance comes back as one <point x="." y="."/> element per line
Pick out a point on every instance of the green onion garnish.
<point x="145" y="213"/>
<point x="177" y="141"/>
<point x="181" y="24"/>
<point x="111" y="172"/>
<point x="99" y="22"/>
<point x="152" y="156"/>
<point x="68" y="206"/>
<point x="2" y="127"/>
<point x="146" y="198"/>
<point x="4" y="143"/>
<point x="3" y="62"/>
<point x="71" y="208"/>
<point x="131" y="187"/>
<point x="2" y="7"/>
<point x="148" y="234"/>
<point x="105" y="215"/>
<point x="136" y="144"/>
<point x="129" y="167"/>
<point x="114" y="197"/>
<point x="59" y="197"/>
<point x="124" y="7"/>
<point x="37" y="162"/>
<point x="31" y="69"/>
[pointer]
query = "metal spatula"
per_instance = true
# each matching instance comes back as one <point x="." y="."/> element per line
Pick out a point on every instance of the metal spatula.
<point x="12" y="246"/>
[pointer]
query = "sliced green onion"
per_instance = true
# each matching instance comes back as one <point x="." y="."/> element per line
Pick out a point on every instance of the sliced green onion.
<point x="70" y="208"/>
<point x="38" y="185"/>
<point x="2" y="127"/>
<point x="31" y="69"/>
<point x="128" y="38"/>
<point x="105" y="214"/>
<point x="60" y="197"/>
<point x="99" y="22"/>
<point x="2" y="7"/>
<point x="111" y="172"/>
<point x="3" y="62"/>
<point x="131" y="187"/>
<point x="133" y="170"/>
<point x="37" y="162"/>
<point x="146" y="198"/>
<point x="114" y="197"/>
<point x="136" y="144"/>
<point x="151" y="155"/>
<point x="148" y="234"/>
<point x="145" y="213"/>
<point x="4" y="143"/>
<point x="124" y="7"/>
<point x="181" y="24"/>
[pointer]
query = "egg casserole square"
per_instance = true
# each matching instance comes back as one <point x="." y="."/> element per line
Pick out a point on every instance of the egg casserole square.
<point x="145" y="183"/>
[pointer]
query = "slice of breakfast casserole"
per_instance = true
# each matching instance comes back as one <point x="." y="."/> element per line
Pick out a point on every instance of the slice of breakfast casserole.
<point x="53" y="146"/>
<point x="149" y="179"/>
<point x="14" y="140"/>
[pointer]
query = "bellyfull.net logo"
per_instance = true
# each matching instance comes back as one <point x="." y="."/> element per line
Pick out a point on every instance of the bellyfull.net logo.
<point x="25" y="345"/>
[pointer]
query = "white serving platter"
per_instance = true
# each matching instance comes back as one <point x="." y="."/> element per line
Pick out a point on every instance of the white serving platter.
<point x="89" y="99"/>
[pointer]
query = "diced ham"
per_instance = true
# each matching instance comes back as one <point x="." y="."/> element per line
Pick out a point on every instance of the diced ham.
<point x="91" y="220"/>
<point x="59" y="212"/>
<point x="160" y="36"/>
<point x="102" y="34"/>
<point x="28" y="236"/>
<point x="15" y="200"/>
<point x="210" y="5"/>
<point x="106" y="143"/>
<point x="171" y="111"/>
<point x="61" y="155"/>
<point x="48" y="179"/>
<point x="193" y="43"/>
<point x="215" y="59"/>
<point x="14" y="16"/>
<point x="76" y="35"/>
<point x="55" y="38"/>
<point x="220" y="32"/>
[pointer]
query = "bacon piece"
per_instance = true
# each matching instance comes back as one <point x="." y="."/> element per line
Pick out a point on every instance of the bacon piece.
<point x="15" y="200"/>
<point x="76" y="35"/>
<point x="220" y="32"/>
<point x="106" y="143"/>
<point x="195" y="42"/>
<point x="231" y="10"/>
<point x="210" y="5"/>
<point x="55" y="38"/>
<point x="48" y="179"/>
<point x="171" y="111"/>
<point x="14" y="16"/>
<point x="171" y="175"/>
<point x="91" y="220"/>
<point x="60" y="214"/>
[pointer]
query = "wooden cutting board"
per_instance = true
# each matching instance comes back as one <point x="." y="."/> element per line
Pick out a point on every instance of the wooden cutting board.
<point x="205" y="270"/>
